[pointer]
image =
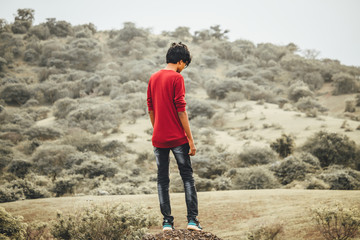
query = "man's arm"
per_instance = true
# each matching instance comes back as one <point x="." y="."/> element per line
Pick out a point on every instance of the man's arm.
<point x="186" y="125"/>
<point x="152" y="118"/>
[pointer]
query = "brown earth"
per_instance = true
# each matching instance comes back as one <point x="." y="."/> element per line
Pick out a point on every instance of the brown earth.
<point x="227" y="214"/>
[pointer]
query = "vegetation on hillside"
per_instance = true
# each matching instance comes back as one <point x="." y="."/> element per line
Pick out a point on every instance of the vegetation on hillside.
<point x="91" y="82"/>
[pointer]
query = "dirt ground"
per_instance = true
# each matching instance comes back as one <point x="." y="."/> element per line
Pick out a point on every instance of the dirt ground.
<point x="227" y="214"/>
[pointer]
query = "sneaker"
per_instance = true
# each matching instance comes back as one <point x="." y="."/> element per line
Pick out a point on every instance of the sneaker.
<point x="194" y="225"/>
<point x="168" y="226"/>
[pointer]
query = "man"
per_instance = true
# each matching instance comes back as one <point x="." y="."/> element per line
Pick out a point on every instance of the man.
<point x="166" y="105"/>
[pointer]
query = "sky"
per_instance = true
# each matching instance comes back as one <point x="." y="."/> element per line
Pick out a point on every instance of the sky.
<point x="331" y="27"/>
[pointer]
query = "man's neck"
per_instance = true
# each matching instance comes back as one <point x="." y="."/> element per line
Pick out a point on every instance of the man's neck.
<point x="171" y="66"/>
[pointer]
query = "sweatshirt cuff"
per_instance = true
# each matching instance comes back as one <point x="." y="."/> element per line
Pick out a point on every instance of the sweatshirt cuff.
<point x="181" y="109"/>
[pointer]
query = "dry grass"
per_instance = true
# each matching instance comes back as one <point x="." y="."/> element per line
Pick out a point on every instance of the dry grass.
<point x="228" y="214"/>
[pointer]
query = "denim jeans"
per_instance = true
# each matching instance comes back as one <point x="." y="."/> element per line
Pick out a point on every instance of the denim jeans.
<point x="181" y="154"/>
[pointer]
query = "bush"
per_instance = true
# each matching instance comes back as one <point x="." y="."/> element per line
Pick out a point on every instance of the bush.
<point x="308" y="104"/>
<point x="96" y="166"/>
<point x="83" y="141"/>
<point x="331" y="148"/>
<point x="339" y="178"/>
<point x="19" y="167"/>
<point x="42" y="133"/>
<point x="41" y="31"/>
<point x="345" y="83"/>
<point x="290" y="169"/>
<point x="63" y="107"/>
<point x="254" y="178"/>
<point x="208" y="168"/>
<point x="199" y="108"/>
<point x="15" y="94"/>
<point x="256" y="156"/>
<point x="63" y="186"/>
<point x="337" y="222"/>
<point x="22" y="189"/>
<point x="11" y="227"/>
<point x="59" y="28"/>
<point x="52" y="159"/>
<point x="299" y="90"/>
<point x="350" y="105"/>
<point x="284" y="145"/>
<point x="94" y="116"/>
<point x="269" y="232"/>
<point x="314" y="80"/>
<point x="121" y="221"/>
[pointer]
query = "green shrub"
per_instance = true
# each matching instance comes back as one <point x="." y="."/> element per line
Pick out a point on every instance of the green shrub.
<point x="63" y="107"/>
<point x="83" y="141"/>
<point x="337" y="222"/>
<point x="284" y="145"/>
<point x="256" y="156"/>
<point x="208" y="168"/>
<point x="16" y="94"/>
<point x="254" y="178"/>
<point x="308" y="104"/>
<point x="63" y="186"/>
<point x="290" y="169"/>
<point x="200" y="108"/>
<point x="339" y="178"/>
<point x="266" y="232"/>
<point x="22" y="189"/>
<point x="121" y="221"/>
<point x="299" y="90"/>
<point x="19" y="167"/>
<point x="96" y="166"/>
<point x="42" y="133"/>
<point x="11" y="227"/>
<point x="52" y="159"/>
<point x="331" y="148"/>
<point x="345" y="83"/>
<point x="41" y="31"/>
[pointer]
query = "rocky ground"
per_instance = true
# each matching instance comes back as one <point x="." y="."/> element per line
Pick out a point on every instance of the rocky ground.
<point x="182" y="234"/>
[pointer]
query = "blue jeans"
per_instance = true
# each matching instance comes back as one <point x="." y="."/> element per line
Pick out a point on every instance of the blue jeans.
<point x="181" y="154"/>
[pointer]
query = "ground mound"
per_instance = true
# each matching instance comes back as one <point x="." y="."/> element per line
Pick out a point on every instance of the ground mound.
<point x="181" y="234"/>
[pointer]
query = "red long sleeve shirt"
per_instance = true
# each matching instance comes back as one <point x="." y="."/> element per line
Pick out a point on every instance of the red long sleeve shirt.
<point x="166" y="97"/>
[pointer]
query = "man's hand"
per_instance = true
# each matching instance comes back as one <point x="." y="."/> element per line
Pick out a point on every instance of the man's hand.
<point x="192" y="151"/>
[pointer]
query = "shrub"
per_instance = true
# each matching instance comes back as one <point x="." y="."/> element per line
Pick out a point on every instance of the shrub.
<point x="19" y="167"/>
<point x="350" y="105"/>
<point x="337" y="222"/>
<point x="199" y="108"/>
<point x="121" y="221"/>
<point x="52" y="159"/>
<point x="299" y="90"/>
<point x="94" y="116"/>
<point x="256" y="156"/>
<point x="41" y="31"/>
<point x="22" y="189"/>
<point x="308" y="104"/>
<point x="284" y="145"/>
<point x="16" y="94"/>
<point x="42" y="133"/>
<point x="345" y="83"/>
<point x="265" y="232"/>
<point x="314" y="80"/>
<point x="339" y="178"/>
<point x="83" y="141"/>
<point x="254" y="178"/>
<point x="240" y="72"/>
<point x="268" y="51"/>
<point x="63" y="186"/>
<point x="11" y="227"/>
<point x="209" y="168"/>
<point x="63" y="107"/>
<point x="96" y="166"/>
<point x="59" y="28"/>
<point x="331" y="148"/>
<point x="290" y="169"/>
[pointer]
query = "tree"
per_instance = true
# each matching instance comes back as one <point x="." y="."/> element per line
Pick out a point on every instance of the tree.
<point x="23" y="20"/>
<point x="284" y="145"/>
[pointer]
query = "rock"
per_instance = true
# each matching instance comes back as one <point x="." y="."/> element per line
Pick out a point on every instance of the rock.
<point x="181" y="234"/>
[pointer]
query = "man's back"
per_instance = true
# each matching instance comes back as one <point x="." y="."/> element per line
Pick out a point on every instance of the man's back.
<point x="166" y="97"/>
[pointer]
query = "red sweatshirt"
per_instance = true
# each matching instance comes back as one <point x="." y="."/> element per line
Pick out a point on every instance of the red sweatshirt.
<point x="166" y="97"/>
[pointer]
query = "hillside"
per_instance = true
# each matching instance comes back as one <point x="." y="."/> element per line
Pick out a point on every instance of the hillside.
<point x="74" y="119"/>
<point x="227" y="214"/>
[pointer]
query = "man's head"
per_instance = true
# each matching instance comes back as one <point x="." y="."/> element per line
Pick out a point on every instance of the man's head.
<point x="178" y="53"/>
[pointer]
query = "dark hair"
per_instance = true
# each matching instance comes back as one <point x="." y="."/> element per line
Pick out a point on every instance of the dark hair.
<point x="177" y="52"/>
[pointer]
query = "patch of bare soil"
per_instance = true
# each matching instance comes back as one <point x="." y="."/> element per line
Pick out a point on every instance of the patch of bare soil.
<point x="181" y="234"/>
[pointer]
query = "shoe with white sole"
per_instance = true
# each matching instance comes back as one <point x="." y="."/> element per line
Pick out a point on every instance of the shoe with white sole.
<point x="168" y="226"/>
<point x="194" y="224"/>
